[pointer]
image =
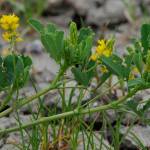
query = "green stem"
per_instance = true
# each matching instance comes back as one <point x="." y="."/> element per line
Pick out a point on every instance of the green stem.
<point x="71" y="113"/>
<point x="122" y="86"/>
<point x="5" y="102"/>
<point x="34" y="97"/>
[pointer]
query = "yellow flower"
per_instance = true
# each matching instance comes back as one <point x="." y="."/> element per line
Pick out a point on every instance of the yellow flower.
<point x="7" y="36"/>
<point x="103" y="49"/>
<point x="9" y="22"/>
<point x="99" y="50"/>
<point x="135" y="72"/>
<point x="107" y="53"/>
<point x="101" y="46"/>
<point x="131" y="76"/>
<point x="103" y="69"/>
<point x="93" y="57"/>
<point x="19" y="39"/>
<point x="101" y="42"/>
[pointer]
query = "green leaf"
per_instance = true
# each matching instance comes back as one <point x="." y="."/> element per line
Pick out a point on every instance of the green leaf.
<point x="49" y="44"/>
<point x="54" y="43"/>
<point x="73" y="33"/>
<point x="145" y="37"/>
<point x="128" y="60"/>
<point x="132" y="105"/>
<point x="84" y="76"/>
<point x="3" y="79"/>
<point x="59" y="42"/>
<point x="14" y="70"/>
<point x="51" y="28"/>
<point x="19" y="67"/>
<point x="137" y="59"/>
<point x="84" y="33"/>
<point x="146" y="106"/>
<point x="85" y="49"/>
<point x="136" y="82"/>
<point x="24" y="75"/>
<point x="27" y="61"/>
<point x="36" y="25"/>
<point x="114" y="64"/>
<point x="8" y="64"/>
<point x="104" y="77"/>
<point x="81" y="77"/>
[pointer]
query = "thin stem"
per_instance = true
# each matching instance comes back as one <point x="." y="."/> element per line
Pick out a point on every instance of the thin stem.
<point x="5" y="102"/>
<point x="37" y="95"/>
<point x="71" y="113"/>
<point x="98" y="96"/>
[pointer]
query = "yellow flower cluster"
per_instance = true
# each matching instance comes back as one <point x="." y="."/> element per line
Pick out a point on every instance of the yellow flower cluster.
<point x="10" y="23"/>
<point x="103" y="49"/>
<point x="135" y="72"/>
<point x="103" y="69"/>
<point x="7" y="36"/>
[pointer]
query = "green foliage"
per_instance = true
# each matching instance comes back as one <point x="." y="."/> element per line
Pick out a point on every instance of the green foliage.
<point x="136" y="82"/>
<point x="53" y="43"/>
<point x="137" y="59"/>
<point x="73" y="50"/>
<point x="36" y="25"/>
<point x="115" y="66"/>
<point x="83" y="76"/>
<point x="14" y="71"/>
<point x="138" y="56"/>
<point x="73" y="37"/>
<point x="145" y="38"/>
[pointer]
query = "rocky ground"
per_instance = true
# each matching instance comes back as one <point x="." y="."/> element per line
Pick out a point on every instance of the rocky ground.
<point x="107" y="18"/>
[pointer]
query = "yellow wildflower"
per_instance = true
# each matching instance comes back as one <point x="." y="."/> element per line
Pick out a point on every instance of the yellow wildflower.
<point x="107" y="53"/>
<point x="100" y="48"/>
<point x="135" y="72"/>
<point x="103" y="49"/>
<point x="9" y="22"/>
<point x="103" y="69"/>
<point x="94" y="57"/>
<point x="131" y="76"/>
<point x="101" y="42"/>
<point x="7" y="36"/>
